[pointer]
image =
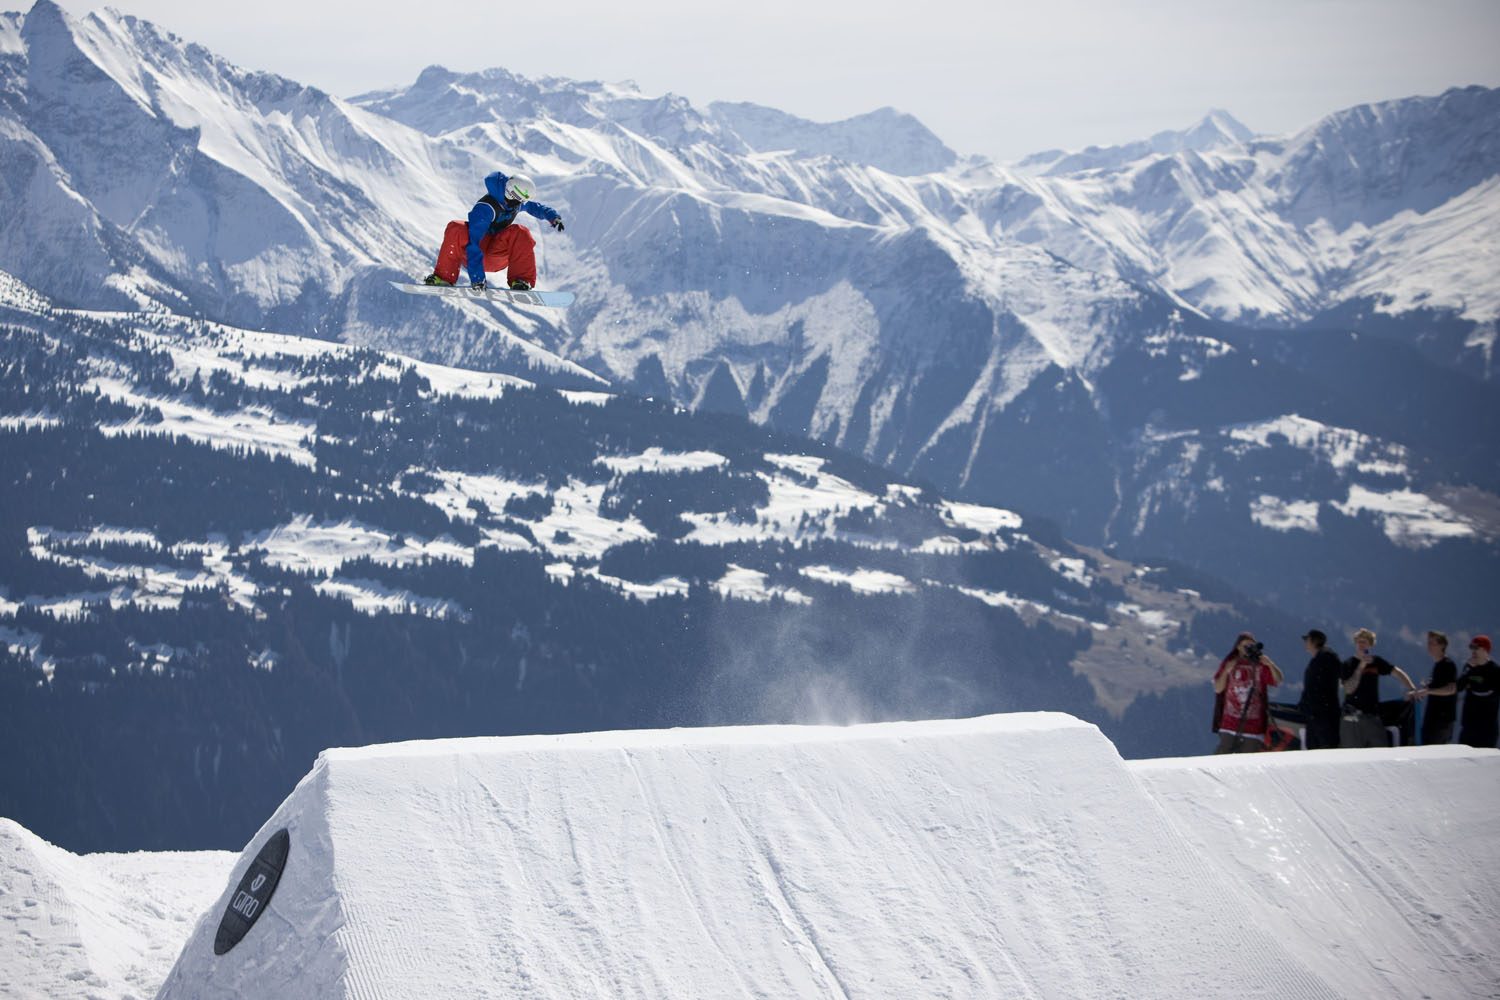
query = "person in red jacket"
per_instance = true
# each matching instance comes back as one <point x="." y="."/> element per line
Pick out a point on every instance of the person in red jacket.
<point x="1242" y="682"/>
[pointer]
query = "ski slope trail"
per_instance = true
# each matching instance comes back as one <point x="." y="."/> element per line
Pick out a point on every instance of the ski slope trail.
<point x="1009" y="856"/>
<point x="1379" y="868"/>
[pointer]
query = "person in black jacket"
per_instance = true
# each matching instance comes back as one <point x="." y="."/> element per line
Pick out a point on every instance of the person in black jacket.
<point x="1480" y="683"/>
<point x="1361" y="725"/>
<point x="1441" y="692"/>
<point x="1320" y="693"/>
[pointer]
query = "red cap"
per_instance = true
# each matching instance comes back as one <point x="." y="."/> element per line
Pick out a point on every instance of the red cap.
<point x="1482" y="641"/>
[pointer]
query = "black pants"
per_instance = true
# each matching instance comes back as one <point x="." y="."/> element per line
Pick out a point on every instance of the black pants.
<point x="1362" y="729"/>
<point x="1323" y="734"/>
<point x="1436" y="735"/>
<point x="1478" y="736"/>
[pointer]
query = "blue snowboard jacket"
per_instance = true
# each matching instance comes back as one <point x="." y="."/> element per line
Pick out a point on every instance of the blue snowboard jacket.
<point x="490" y="214"/>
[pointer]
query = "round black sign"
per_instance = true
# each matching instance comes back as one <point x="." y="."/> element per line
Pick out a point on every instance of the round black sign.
<point x="253" y="893"/>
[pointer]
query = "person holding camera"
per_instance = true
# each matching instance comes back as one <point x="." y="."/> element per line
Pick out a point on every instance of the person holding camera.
<point x="1243" y="709"/>
<point x="1362" y="725"/>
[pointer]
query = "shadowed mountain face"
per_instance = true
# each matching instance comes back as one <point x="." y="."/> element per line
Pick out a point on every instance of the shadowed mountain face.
<point x="1270" y="358"/>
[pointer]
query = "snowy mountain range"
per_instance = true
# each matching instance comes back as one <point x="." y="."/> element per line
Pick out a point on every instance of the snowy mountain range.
<point x="1266" y="359"/>
<point x="854" y="282"/>
<point x="1217" y="130"/>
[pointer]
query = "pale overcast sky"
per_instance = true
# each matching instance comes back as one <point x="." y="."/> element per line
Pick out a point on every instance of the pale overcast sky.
<point x="1000" y="79"/>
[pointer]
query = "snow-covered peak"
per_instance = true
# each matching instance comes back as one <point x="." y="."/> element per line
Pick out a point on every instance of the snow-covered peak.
<point x="441" y="101"/>
<point x="1366" y="164"/>
<point x="885" y="138"/>
<point x="1216" y="130"/>
<point x="1384" y="201"/>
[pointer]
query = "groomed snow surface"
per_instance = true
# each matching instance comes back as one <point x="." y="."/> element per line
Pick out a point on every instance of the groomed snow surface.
<point x="1008" y="856"/>
<point x="97" y="926"/>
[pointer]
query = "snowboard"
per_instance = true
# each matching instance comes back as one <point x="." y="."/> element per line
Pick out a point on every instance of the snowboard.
<point x="552" y="300"/>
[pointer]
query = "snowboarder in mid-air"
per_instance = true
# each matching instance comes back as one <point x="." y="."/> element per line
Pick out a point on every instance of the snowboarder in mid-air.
<point x="490" y="240"/>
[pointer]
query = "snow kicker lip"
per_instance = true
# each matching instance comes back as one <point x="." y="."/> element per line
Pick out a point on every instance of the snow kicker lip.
<point x="254" y="892"/>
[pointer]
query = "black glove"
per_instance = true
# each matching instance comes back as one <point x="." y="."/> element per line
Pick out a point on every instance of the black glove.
<point x="481" y="284"/>
<point x="556" y="224"/>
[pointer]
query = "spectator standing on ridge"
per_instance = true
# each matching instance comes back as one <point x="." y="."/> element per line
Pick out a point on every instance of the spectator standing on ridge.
<point x="1362" y="725"/>
<point x="1441" y="692"/>
<point x="1320" y="693"/>
<point x="1242" y="681"/>
<point x="1480" y="683"/>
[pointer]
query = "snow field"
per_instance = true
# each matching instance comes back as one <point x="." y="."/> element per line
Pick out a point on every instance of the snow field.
<point x="805" y="503"/>
<point x="1378" y="868"/>
<point x="1340" y="447"/>
<point x="1003" y="856"/>
<point x="324" y="547"/>
<point x="752" y="585"/>
<point x="1407" y="517"/>
<point x="100" y="925"/>
<point x="253" y="428"/>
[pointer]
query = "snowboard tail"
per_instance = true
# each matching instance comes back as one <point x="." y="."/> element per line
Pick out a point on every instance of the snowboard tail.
<point x="532" y="297"/>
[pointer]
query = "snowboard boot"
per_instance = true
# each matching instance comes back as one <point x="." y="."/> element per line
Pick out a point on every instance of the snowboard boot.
<point x="517" y="285"/>
<point x="433" y="279"/>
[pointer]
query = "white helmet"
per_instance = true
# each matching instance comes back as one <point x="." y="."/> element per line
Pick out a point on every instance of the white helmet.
<point x="519" y="188"/>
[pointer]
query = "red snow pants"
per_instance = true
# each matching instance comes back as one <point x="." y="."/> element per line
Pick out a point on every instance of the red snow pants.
<point x="512" y="248"/>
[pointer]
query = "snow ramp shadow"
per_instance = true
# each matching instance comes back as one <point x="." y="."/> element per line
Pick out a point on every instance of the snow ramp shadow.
<point x="1007" y="856"/>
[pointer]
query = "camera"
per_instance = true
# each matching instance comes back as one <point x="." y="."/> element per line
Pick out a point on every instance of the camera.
<point x="1254" y="650"/>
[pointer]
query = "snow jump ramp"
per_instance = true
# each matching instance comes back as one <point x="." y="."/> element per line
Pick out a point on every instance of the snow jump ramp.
<point x="1008" y="856"/>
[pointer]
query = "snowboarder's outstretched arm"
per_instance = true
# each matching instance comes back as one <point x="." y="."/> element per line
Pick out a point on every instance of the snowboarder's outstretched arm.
<point x="544" y="212"/>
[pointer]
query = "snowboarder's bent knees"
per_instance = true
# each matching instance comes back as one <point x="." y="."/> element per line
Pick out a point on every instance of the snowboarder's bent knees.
<point x="490" y="240"/>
